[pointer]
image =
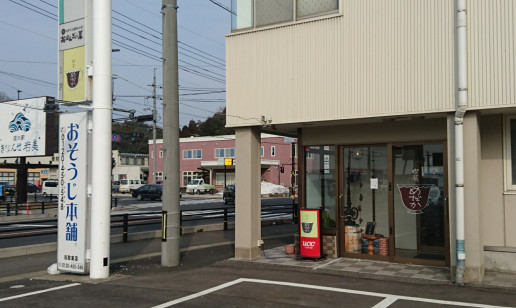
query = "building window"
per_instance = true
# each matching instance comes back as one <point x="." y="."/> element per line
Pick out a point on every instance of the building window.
<point x="243" y="14"/>
<point x="250" y="13"/>
<point x="219" y="179"/>
<point x="192" y="154"/>
<point x="7" y="177"/>
<point x="160" y="154"/>
<point x="307" y="8"/>
<point x="510" y="152"/>
<point x="295" y="150"/>
<point x="268" y="12"/>
<point x="159" y="176"/>
<point x="34" y="178"/>
<point x="190" y="175"/>
<point x="227" y="152"/>
<point x="320" y="178"/>
<point x="261" y="151"/>
<point x="273" y="151"/>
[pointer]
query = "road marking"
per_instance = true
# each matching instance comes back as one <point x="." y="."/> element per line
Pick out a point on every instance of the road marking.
<point x="39" y="292"/>
<point x="199" y="294"/>
<point x="389" y="298"/>
<point x="386" y="302"/>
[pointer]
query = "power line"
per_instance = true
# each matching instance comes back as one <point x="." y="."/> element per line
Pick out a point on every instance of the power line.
<point x="137" y="22"/>
<point x="27" y="62"/>
<point x="135" y="50"/>
<point x="158" y="51"/>
<point x="18" y="27"/>
<point x="201" y="51"/>
<point x="29" y="79"/>
<point x="52" y="16"/>
<point x="52" y="5"/>
<point x="143" y="37"/>
<point x="192" y="71"/>
<point x="223" y="6"/>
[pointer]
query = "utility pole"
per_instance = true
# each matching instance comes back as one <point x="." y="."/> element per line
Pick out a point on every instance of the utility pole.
<point x="154" y="120"/>
<point x="170" y="217"/>
<point x="101" y="140"/>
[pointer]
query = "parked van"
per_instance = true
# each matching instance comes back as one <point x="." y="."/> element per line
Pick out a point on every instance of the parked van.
<point x="127" y="186"/>
<point x="49" y="187"/>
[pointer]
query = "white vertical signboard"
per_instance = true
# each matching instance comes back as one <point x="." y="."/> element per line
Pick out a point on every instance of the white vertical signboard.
<point x="73" y="181"/>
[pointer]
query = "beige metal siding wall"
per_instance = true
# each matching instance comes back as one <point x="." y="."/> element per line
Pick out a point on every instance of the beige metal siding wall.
<point x="379" y="58"/>
<point x="492" y="53"/>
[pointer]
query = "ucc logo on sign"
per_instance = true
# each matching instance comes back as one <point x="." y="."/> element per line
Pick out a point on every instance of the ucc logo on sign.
<point x="308" y="244"/>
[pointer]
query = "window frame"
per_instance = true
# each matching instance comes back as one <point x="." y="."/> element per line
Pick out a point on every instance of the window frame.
<point x="227" y="153"/>
<point x="509" y="185"/>
<point x="192" y="154"/>
<point x="295" y="17"/>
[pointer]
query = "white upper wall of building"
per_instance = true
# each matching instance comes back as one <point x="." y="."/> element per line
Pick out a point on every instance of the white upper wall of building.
<point x="372" y="59"/>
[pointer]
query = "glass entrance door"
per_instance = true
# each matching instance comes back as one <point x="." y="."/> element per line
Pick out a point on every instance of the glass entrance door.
<point x="392" y="203"/>
<point x="419" y="203"/>
<point x="364" y="202"/>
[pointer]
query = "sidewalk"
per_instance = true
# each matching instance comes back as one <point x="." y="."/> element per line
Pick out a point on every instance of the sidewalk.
<point x="382" y="270"/>
<point x="273" y="257"/>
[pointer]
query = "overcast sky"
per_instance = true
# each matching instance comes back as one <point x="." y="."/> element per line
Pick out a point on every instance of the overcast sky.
<point x="28" y="53"/>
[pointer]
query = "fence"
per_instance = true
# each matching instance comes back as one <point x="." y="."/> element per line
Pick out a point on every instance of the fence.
<point x="12" y="208"/>
<point x="133" y="220"/>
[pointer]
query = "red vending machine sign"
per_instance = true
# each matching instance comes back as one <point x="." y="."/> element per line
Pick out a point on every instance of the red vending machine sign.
<point x="309" y="234"/>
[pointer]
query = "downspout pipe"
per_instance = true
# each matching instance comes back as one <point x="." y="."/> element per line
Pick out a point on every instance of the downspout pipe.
<point x="461" y="107"/>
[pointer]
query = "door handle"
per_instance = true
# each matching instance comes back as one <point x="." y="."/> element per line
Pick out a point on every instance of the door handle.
<point x="341" y="210"/>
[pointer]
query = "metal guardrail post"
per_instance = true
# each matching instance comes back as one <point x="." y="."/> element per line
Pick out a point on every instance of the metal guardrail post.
<point x="225" y="218"/>
<point x="8" y="209"/>
<point x="42" y="207"/>
<point x="116" y="201"/>
<point x="125" y="227"/>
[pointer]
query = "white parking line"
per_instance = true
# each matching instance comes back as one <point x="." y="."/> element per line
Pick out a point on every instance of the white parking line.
<point x="39" y="292"/>
<point x="389" y="298"/>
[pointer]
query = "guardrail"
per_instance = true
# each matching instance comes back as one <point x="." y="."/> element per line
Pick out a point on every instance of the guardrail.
<point x="11" y="208"/>
<point x="127" y="220"/>
<point x="30" y="207"/>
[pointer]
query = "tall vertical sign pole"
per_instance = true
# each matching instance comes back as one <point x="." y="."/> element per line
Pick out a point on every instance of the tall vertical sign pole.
<point x="101" y="152"/>
<point x="170" y="229"/>
<point x="154" y="120"/>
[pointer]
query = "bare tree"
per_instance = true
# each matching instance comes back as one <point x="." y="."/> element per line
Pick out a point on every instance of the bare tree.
<point x="4" y="97"/>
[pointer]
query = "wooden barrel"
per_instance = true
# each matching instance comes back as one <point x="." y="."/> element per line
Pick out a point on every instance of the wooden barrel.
<point x="352" y="235"/>
<point x="383" y="246"/>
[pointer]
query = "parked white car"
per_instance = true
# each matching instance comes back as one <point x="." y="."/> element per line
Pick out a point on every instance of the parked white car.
<point x="127" y="186"/>
<point x="49" y="187"/>
<point x="197" y="186"/>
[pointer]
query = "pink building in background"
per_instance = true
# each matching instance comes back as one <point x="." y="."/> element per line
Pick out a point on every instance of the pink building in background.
<point x="205" y="156"/>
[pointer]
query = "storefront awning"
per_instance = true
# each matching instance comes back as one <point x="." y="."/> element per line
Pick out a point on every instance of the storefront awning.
<point x="214" y="164"/>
